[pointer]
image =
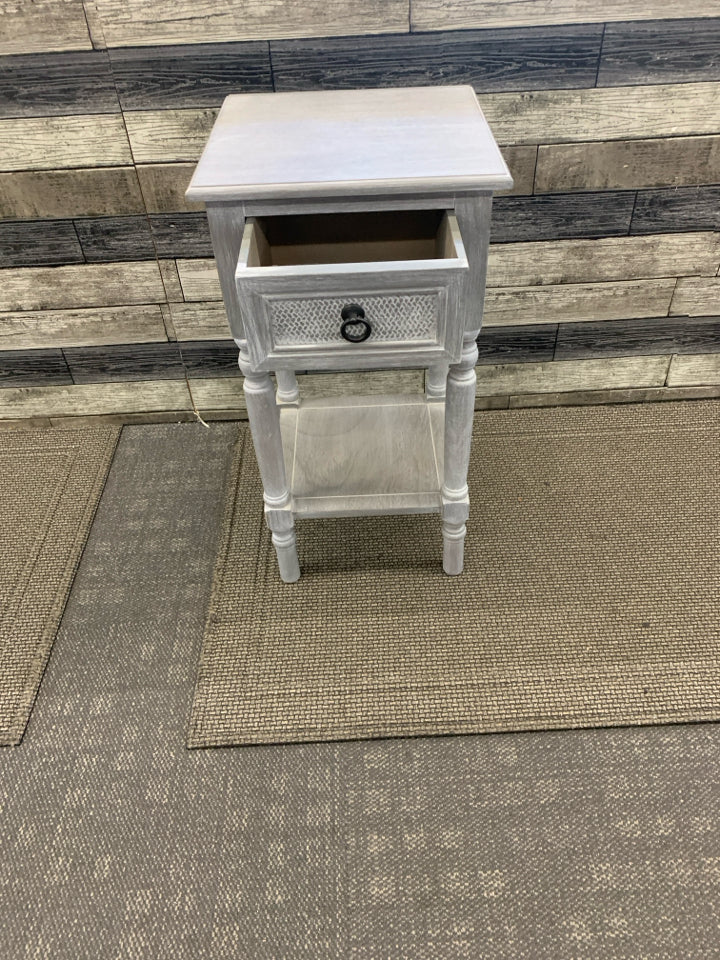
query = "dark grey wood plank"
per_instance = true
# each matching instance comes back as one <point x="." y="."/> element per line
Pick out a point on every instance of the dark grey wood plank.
<point x="135" y="361"/>
<point x="56" y="84"/>
<point x="202" y="75"/>
<point x="181" y="235"/>
<point x="108" y="239"/>
<point x="562" y="216"/>
<point x="210" y="358"/>
<point x="533" y="342"/>
<point x="660" y="51"/>
<point x="33" y="368"/>
<point x="677" y="210"/>
<point x="530" y="58"/>
<point x="647" y="337"/>
<point x="34" y="243"/>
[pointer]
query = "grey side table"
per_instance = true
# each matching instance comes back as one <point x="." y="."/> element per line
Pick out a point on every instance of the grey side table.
<point x="351" y="230"/>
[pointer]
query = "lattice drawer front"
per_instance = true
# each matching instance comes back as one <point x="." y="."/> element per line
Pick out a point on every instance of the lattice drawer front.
<point x="407" y="317"/>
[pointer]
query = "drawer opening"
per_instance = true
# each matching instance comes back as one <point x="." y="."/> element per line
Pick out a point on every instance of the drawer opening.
<point x="351" y="238"/>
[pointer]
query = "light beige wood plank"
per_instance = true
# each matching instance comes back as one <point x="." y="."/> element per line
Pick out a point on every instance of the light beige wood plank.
<point x="463" y="14"/>
<point x="163" y="187"/>
<point x="168" y="136"/>
<point x="628" y="164"/>
<point x="604" y="113"/>
<point x="137" y="23"/>
<point x="577" y="302"/>
<point x="611" y="258"/>
<point x="199" y="279"/>
<point x="561" y="375"/>
<point x="94" y="398"/>
<point x="696" y="297"/>
<point x="97" y="192"/>
<point x="694" y="369"/>
<point x="574" y="398"/>
<point x="49" y="143"/>
<point x="200" y="321"/>
<point x="40" y="26"/>
<point x="80" y="285"/>
<point x="98" y="326"/>
<point x="521" y="163"/>
<point x="171" y="281"/>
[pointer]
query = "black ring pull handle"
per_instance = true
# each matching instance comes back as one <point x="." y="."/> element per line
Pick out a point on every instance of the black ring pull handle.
<point x="354" y="316"/>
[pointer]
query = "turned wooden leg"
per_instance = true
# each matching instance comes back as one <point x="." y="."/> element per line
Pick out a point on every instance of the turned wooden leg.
<point x="264" y="417"/>
<point x="459" y="409"/>
<point x="435" y="380"/>
<point x="287" y="386"/>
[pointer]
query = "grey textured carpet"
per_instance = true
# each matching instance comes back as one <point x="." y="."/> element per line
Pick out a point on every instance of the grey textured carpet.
<point x="590" y="595"/>
<point x="50" y="485"/>
<point x="117" y="843"/>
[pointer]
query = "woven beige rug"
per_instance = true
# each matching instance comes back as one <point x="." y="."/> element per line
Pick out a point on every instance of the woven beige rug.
<point x="50" y="485"/>
<point x="590" y="597"/>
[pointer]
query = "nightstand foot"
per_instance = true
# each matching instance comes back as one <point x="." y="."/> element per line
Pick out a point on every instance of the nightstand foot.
<point x="453" y="547"/>
<point x="286" y="550"/>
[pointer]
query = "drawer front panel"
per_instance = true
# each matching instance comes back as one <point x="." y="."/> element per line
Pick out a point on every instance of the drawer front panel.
<point x="392" y="317"/>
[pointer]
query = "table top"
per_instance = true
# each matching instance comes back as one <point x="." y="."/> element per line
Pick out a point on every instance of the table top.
<point x="401" y="140"/>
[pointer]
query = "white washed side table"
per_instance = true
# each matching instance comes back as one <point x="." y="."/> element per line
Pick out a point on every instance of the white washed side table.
<point x="350" y="231"/>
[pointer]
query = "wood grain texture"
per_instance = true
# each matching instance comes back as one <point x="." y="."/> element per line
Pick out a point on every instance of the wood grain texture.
<point x="661" y="51"/>
<point x="210" y="358"/>
<point x="465" y="14"/>
<point x="613" y="258"/>
<point x="49" y="143"/>
<point x="137" y="361"/>
<point x="629" y="395"/>
<point x="76" y="328"/>
<point x="694" y="370"/>
<point x="200" y="321"/>
<point x="30" y="26"/>
<point x="56" y="84"/>
<point x="70" y="193"/>
<point x="562" y="215"/>
<point x="199" y="279"/>
<point x="607" y="113"/>
<point x="32" y="368"/>
<point x="521" y="164"/>
<point x="164" y="185"/>
<point x="84" y="285"/>
<point x="696" y="297"/>
<point x="578" y="302"/>
<point x="181" y="235"/>
<point x="171" y="282"/>
<point x="110" y="239"/>
<point x="147" y="396"/>
<point x="684" y="208"/>
<point x="624" y="338"/>
<point x="562" y="375"/>
<point x="516" y="59"/>
<point x="197" y="75"/>
<point x="517" y="344"/>
<point x="625" y="164"/>
<point x="27" y="243"/>
<point x="129" y="23"/>
<point x="168" y="136"/>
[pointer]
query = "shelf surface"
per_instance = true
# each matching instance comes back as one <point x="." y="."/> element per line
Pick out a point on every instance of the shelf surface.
<point x="364" y="455"/>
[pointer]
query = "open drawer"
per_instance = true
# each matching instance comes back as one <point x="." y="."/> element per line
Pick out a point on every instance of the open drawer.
<point x="352" y="291"/>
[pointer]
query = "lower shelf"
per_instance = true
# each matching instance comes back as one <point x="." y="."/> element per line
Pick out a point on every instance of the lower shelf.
<point x="360" y="456"/>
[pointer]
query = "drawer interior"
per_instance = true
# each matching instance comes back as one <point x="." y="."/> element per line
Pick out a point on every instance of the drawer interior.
<point x="351" y="238"/>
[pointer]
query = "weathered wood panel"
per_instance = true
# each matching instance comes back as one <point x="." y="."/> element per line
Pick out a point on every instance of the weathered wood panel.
<point x="181" y="235"/>
<point x="57" y="84"/>
<point x="89" y="399"/>
<point x="661" y="51"/>
<point x="515" y="59"/>
<point x="137" y="361"/>
<point x="578" y="302"/>
<point x="70" y="193"/>
<point x="115" y="238"/>
<point x="615" y="258"/>
<point x="561" y="215"/>
<point x="561" y="375"/>
<point x="30" y="26"/>
<point x="696" y="297"/>
<point x="464" y="14"/>
<point x="164" y="136"/>
<point x="607" y="113"/>
<point x="624" y="338"/>
<point x="521" y="164"/>
<point x="690" y="370"/>
<point x="200" y="321"/>
<point x="516" y="344"/>
<point x="84" y="285"/>
<point x="35" y="242"/>
<point x="32" y="368"/>
<point x="665" y="162"/>
<point x="198" y="75"/>
<point x="171" y="281"/>
<point x="74" y="328"/>
<point x="684" y="208"/>
<point x="48" y="143"/>
<point x="629" y="395"/>
<point x="164" y="185"/>
<point x="199" y="279"/>
<point x="210" y="358"/>
<point x="135" y="23"/>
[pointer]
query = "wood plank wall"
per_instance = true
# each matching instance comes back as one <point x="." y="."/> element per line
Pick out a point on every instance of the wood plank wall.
<point x="604" y="278"/>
